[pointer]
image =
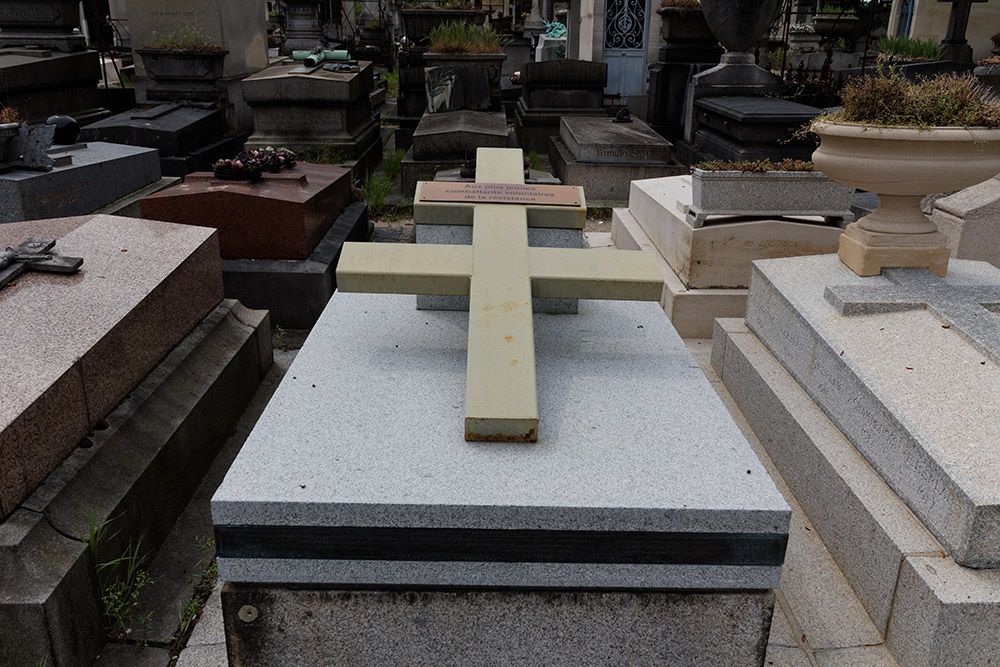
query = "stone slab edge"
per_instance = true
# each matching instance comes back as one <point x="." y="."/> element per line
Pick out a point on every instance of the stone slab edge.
<point x="884" y="441"/>
<point x="296" y="291"/>
<point x="863" y="523"/>
<point x="170" y="420"/>
<point x="691" y="311"/>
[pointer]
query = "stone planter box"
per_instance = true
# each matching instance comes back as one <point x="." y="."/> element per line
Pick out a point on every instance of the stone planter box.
<point x="837" y="27"/>
<point x="418" y="23"/>
<point x="183" y="75"/>
<point x="773" y="193"/>
<point x="493" y="62"/>
<point x="684" y="25"/>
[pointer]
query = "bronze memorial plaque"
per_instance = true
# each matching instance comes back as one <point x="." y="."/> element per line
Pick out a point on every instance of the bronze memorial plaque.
<point x="500" y="193"/>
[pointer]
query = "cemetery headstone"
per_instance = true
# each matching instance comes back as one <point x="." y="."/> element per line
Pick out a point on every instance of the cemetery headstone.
<point x="45" y="67"/>
<point x="536" y="528"/>
<point x="967" y="219"/>
<point x="44" y="180"/>
<point x="119" y="384"/>
<point x="188" y="136"/>
<point x="279" y="237"/>
<point x="448" y="140"/>
<point x="316" y="110"/>
<point x="605" y="156"/>
<point x="553" y="90"/>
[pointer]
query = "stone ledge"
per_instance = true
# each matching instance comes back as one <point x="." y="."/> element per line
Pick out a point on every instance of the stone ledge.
<point x="142" y="469"/>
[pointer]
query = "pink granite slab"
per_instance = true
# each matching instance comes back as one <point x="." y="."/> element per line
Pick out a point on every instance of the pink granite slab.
<point x="281" y="216"/>
<point x="74" y="346"/>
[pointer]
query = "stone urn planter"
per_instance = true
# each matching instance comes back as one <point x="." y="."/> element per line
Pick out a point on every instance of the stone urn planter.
<point x="902" y="165"/>
<point x="492" y="61"/>
<point x="183" y="74"/>
<point x="418" y="23"/>
<point x="771" y="193"/>
<point x="738" y="24"/>
<point x="679" y="24"/>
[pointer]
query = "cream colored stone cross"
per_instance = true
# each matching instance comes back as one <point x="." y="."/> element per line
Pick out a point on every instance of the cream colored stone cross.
<point x="500" y="273"/>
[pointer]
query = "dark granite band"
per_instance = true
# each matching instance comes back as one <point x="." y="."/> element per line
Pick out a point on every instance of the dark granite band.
<point x="499" y="546"/>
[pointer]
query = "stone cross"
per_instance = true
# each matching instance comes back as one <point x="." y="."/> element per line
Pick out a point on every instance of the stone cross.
<point x="970" y="310"/>
<point x="500" y="273"/>
<point x="954" y="42"/>
<point x="33" y="255"/>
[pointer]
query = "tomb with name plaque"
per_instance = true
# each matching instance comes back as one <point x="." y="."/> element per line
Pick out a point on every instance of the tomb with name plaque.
<point x="520" y="493"/>
<point x="604" y="155"/>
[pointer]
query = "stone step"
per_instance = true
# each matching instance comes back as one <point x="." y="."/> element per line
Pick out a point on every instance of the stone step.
<point x="931" y="610"/>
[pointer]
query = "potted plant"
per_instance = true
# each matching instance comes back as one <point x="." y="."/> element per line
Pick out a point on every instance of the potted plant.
<point x="683" y="20"/>
<point x="988" y="73"/>
<point x="763" y="187"/>
<point x="419" y="19"/>
<point x="901" y="50"/>
<point x="835" y="22"/>
<point x="466" y="44"/>
<point x="374" y="31"/>
<point x="184" y="65"/>
<point x="10" y="127"/>
<point x="904" y="140"/>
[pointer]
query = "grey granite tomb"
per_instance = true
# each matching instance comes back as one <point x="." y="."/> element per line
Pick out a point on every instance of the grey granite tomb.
<point x="447" y="140"/>
<point x="87" y="177"/>
<point x="369" y="531"/>
<point x="604" y="156"/>
<point x="876" y="399"/>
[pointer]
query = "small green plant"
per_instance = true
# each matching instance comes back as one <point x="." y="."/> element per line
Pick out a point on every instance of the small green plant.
<point x="459" y="37"/>
<point x="776" y="59"/>
<point x="835" y="10"/>
<point x="756" y="166"/>
<point x="376" y="23"/>
<point x="392" y="83"/>
<point x="892" y="99"/>
<point x="374" y="189"/>
<point x="278" y="338"/>
<point x="189" y="38"/>
<point x="325" y="154"/>
<point x="120" y="581"/>
<point x="391" y="164"/>
<point x="206" y="573"/>
<point x="534" y="162"/>
<point x="906" y="48"/>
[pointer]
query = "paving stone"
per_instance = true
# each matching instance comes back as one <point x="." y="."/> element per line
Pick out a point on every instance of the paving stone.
<point x="870" y="656"/>
<point x="126" y="655"/>
<point x="784" y="656"/>
<point x="204" y="656"/>
<point x="822" y="601"/>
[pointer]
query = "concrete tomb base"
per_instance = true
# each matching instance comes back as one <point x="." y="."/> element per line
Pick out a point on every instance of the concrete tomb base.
<point x="341" y="530"/>
<point x="707" y="269"/>
<point x="150" y="373"/>
<point x="471" y="628"/>
<point x="93" y="176"/>
<point x="875" y="416"/>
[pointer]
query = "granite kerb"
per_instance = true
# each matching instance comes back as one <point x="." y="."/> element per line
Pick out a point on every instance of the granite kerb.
<point x="967" y="524"/>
